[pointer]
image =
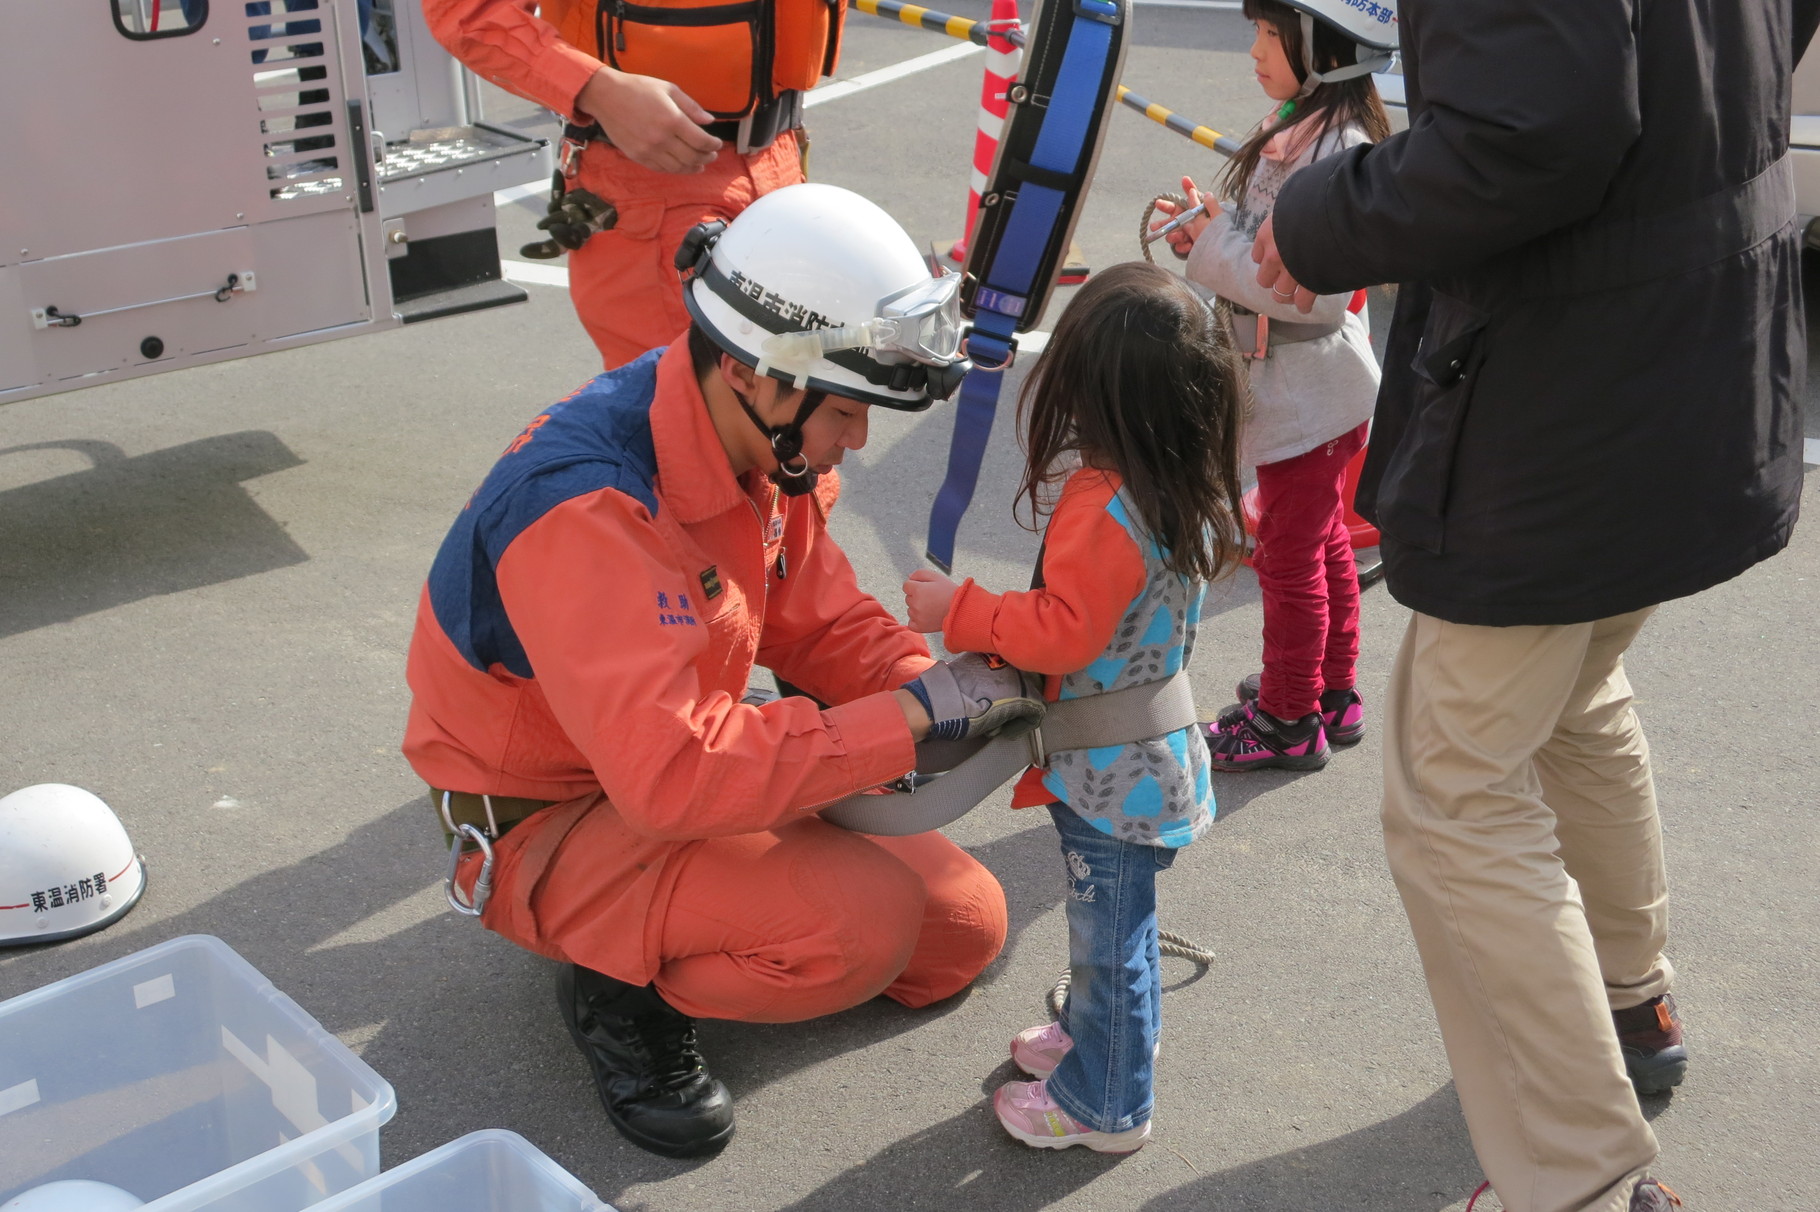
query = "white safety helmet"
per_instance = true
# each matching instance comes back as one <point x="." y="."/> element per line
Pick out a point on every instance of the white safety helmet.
<point x="73" y="1195"/>
<point x="66" y="866"/>
<point x="818" y="287"/>
<point x="1370" y="23"/>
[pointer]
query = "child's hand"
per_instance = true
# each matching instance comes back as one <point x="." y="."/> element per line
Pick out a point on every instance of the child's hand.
<point x="926" y="598"/>
<point x="1182" y="239"/>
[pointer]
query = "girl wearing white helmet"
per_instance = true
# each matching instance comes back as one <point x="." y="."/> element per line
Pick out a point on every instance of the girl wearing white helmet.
<point x="1313" y="379"/>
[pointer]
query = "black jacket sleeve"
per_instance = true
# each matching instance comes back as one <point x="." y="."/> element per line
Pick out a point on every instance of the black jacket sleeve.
<point x="1522" y="113"/>
<point x="1807" y="16"/>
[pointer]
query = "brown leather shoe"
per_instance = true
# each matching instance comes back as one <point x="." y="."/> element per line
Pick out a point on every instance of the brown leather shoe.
<point x="1650" y="1037"/>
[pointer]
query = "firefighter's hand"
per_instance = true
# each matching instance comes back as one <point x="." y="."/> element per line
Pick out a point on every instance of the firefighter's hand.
<point x="1274" y="276"/>
<point x="926" y="598"/>
<point x="968" y="697"/>
<point x="655" y="123"/>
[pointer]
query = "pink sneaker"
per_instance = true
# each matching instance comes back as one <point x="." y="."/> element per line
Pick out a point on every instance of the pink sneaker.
<point x="1342" y="711"/>
<point x="1038" y="1050"/>
<point x="1250" y="738"/>
<point x="1028" y="1113"/>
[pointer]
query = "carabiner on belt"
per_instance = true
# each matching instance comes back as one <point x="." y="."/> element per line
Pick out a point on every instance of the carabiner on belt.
<point x="463" y="833"/>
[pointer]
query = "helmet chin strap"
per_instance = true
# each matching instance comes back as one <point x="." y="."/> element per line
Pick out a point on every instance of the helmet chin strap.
<point x="1369" y="61"/>
<point x="794" y="476"/>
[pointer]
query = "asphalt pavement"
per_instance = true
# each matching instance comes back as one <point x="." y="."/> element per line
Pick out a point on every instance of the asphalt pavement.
<point x="207" y="582"/>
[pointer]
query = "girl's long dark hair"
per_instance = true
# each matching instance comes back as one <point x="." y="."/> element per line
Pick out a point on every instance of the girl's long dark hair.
<point x="1139" y="378"/>
<point x="1333" y="107"/>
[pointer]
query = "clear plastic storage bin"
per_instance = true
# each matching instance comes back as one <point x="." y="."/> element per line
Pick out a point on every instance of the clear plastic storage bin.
<point x="491" y="1171"/>
<point x="180" y="1075"/>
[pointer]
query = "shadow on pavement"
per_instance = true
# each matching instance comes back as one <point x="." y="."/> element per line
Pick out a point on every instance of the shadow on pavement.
<point x="1419" y="1161"/>
<point x="963" y="1162"/>
<point x="132" y="528"/>
<point x="461" y="1022"/>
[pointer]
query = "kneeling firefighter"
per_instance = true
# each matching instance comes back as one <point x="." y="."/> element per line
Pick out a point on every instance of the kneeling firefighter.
<point x="584" y="642"/>
<point x="677" y="112"/>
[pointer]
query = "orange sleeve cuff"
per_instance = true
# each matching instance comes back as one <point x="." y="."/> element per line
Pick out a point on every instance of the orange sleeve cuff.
<point x="971" y="613"/>
<point x="874" y="738"/>
<point x="561" y="73"/>
<point x="909" y="669"/>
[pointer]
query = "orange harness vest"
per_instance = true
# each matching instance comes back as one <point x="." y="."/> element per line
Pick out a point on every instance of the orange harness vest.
<point x="730" y="57"/>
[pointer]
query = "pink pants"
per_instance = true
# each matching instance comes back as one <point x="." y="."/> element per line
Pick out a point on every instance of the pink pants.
<point x="1309" y="579"/>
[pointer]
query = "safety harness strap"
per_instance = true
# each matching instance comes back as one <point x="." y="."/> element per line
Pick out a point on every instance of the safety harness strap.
<point x="972" y="770"/>
<point x="1248" y="326"/>
<point x="1012" y="254"/>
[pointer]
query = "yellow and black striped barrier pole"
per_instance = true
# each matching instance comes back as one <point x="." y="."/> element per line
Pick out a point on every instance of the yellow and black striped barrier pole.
<point x="976" y="31"/>
<point x="929" y="19"/>
<point x="1206" y="136"/>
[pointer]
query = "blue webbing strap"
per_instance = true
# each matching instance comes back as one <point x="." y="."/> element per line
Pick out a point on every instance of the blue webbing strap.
<point x="1061" y="148"/>
<point x="974" y="407"/>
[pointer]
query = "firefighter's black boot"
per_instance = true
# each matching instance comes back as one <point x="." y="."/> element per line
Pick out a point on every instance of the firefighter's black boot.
<point x="650" y="1075"/>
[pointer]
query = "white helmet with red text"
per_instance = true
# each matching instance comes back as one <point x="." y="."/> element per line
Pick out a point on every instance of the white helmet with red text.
<point x="66" y="865"/>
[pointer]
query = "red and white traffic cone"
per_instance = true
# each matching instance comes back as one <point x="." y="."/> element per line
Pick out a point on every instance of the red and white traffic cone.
<point x="1003" y="59"/>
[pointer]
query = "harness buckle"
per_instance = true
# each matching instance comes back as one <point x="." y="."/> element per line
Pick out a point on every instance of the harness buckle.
<point x="1039" y="752"/>
<point x="575" y="140"/>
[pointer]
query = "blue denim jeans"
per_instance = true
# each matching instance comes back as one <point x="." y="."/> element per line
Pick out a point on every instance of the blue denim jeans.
<point x="1114" y="1007"/>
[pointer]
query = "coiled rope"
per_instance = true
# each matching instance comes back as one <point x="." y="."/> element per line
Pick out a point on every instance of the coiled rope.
<point x="1167" y="943"/>
<point x="1181" y="204"/>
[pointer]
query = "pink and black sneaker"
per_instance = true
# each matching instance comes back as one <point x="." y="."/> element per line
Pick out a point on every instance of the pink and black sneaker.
<point x="1342" y="711"/>
<point x="1250" y="738"/>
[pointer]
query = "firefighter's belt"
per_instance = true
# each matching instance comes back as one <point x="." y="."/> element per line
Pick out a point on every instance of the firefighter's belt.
<point x="1247" y="324"/>
<point x="466" y="808"/>
<point x="969" y="771"/>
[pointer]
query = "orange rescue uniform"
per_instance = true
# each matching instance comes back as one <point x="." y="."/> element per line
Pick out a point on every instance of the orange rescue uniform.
<point x="623" y="281"/>
<point x="585" y="637"/>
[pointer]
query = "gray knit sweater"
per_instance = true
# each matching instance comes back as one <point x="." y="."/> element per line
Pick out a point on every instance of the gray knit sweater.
<point x="1307" y="392"/>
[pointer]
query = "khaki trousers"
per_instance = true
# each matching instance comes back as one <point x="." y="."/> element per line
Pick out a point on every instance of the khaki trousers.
<point x="1520" y="824"/>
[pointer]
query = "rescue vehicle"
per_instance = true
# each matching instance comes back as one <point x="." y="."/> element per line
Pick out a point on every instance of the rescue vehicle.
<point x="200" y="180"/>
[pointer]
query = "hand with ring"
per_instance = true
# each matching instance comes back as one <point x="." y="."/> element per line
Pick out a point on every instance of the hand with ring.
<point x="1272" y="273"/>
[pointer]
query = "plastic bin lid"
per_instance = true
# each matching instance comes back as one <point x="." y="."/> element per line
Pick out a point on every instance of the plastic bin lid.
<point x="538" y="1184"/>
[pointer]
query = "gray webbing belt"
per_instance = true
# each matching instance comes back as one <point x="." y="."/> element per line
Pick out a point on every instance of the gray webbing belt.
<point x="1246" y="323"/>
<point x="969" y="771"/>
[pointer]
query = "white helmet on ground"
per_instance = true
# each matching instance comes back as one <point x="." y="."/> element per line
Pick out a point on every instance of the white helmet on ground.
<point x="66" y="866"/>
<point x="818" y="287"/>
<point x="1372" y="24"/>
<point x="73" y="1195"/>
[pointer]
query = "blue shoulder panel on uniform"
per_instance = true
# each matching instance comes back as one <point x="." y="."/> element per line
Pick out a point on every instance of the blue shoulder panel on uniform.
<point x="600" y="437"/>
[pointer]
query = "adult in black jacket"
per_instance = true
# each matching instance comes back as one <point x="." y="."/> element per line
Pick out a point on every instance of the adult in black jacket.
<point x="1591" y="404"/>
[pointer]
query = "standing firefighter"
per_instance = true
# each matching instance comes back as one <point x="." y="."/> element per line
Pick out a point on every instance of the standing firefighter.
<point x="677" y="113"/>
<point x="1591" y="405"/>
<point x="587" y="633"/>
